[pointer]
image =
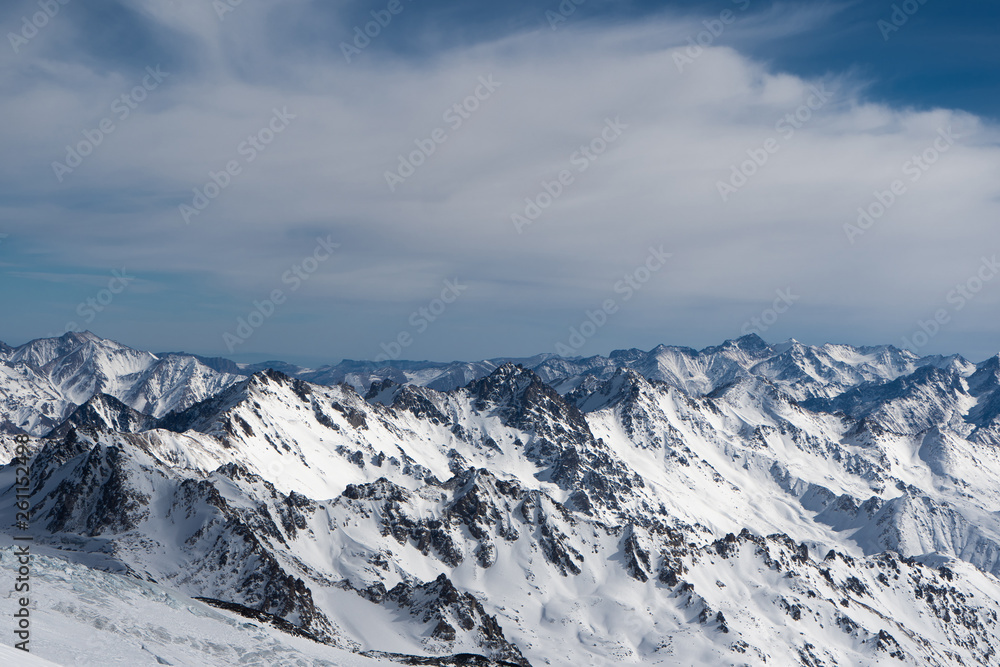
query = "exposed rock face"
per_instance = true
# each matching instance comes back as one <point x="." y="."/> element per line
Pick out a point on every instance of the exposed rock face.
<point x="440" y="603"/>
<point x="104" y="413"/>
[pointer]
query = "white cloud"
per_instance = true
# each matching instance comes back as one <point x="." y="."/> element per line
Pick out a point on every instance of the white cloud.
<point x="657" y="184"/>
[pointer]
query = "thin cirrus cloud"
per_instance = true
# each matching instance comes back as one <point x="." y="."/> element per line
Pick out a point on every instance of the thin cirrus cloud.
<point x="681" y="131"/>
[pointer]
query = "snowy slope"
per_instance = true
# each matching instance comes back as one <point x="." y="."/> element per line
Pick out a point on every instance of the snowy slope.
<point x="13" y="656"/>
<point x="88" y="618"/>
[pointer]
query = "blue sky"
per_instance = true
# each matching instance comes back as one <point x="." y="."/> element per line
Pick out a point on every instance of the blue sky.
<point x="630" y="128"/>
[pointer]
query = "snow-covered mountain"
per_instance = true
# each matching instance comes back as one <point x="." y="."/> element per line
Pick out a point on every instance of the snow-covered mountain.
<point x="804" y="371"/>
<point x="746" y="504"/>
<point x="43" y="381"/>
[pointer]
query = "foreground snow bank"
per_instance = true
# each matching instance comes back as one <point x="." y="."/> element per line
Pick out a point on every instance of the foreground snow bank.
<point x="87" y="618"/>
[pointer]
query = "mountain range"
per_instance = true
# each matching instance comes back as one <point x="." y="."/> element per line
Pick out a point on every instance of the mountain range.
<point x="745" y="504"/>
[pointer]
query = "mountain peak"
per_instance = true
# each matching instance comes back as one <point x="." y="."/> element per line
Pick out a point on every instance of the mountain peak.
<point x="267" y="376"/>
<point x="790" y="345"/>
<point x="104" y="412"/>
<point x="751" y="340"/>
<point x="993" y="363"/>
<point x="986" y="377"/>
<point x="81" y="336"/>
<point x="507" y="380"/>
<point x="750" y="344"/>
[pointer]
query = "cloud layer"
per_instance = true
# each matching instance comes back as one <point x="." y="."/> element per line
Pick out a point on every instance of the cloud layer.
<point x="749" y="177"/>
